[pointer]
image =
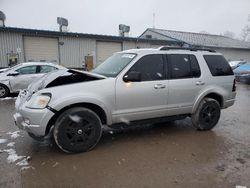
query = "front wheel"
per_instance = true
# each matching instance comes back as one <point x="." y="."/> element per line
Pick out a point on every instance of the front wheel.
<point x="77" y="130"/>
<point x="4" y="91"/>
<point x="207" y="114"/>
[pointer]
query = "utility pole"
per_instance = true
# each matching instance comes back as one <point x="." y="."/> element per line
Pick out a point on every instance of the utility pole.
<point x="154" y="20"/>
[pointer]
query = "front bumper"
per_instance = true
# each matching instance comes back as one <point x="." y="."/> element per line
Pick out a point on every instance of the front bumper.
<point x="33" y="121"/>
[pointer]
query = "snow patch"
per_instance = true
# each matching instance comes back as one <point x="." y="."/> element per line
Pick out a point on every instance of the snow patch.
<point x="24" y="162"/>
<point x="75" y="118"/>
<point x="124" y="120"/>
<point x="13" y="157"/>
<point x="14" y="135"/>
<point x="56" y="164"/>
<point x="11" y="144"/>
<point x="2" y="141"/>
<point x="7" y="98"/>
<point x="240" y="186"/>
<point x="26" y="168"/>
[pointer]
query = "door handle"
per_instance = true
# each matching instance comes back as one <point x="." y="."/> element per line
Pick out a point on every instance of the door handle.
<point x="159" y="86"/>
<point x="200" y="83"/>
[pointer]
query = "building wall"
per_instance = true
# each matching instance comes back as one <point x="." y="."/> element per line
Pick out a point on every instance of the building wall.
<point x="10" y="42"/>
<point x="126" y="45"/>
<point x="72" y="51"/>
<point x="235" y="54"/>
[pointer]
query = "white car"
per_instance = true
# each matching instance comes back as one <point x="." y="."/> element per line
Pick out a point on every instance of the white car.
<point x="19" y="77"/>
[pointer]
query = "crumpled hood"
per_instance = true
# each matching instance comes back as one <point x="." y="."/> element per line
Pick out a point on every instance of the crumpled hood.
<point x="62" y="77"/>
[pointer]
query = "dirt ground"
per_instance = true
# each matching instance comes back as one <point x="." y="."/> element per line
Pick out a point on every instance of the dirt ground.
<point x="165" y="155"/>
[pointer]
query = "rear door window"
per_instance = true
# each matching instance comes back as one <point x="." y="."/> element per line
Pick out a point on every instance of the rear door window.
<point x="183" y="66"/>
<point x="46" y="68"/>
<point x="218" y="65"/>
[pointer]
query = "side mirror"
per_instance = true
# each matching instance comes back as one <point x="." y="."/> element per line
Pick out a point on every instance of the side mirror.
<point x="132" y="76"/>
<point x="13" y="74"/>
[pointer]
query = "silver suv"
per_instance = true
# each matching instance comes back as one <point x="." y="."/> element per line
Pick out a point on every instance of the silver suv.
<point x="130" y="87"/>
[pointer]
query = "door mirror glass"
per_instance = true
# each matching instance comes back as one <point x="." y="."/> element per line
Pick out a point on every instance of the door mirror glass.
<point x="132" y="76"/>
<point x="13" y="74"/>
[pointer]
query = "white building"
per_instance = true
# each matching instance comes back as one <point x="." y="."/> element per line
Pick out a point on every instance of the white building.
<point x="231" y="48"/>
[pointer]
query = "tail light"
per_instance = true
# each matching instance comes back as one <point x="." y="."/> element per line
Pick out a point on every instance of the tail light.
<point x="234" y="86"/>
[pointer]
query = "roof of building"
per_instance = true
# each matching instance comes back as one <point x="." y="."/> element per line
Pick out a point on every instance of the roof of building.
<point x="40" y="32"/>
<point x="200" y="39"/>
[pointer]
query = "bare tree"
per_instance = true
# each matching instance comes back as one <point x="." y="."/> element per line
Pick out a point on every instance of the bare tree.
<point x="245" y="32"/>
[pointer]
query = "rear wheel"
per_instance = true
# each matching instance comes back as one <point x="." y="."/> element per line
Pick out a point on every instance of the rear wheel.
<point x="77" y="130"/>
<point x="207" y="114"/>
<point x="4" y="91"/>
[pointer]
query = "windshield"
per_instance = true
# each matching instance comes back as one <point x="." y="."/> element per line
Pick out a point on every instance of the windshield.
<point x="114" y="64"/>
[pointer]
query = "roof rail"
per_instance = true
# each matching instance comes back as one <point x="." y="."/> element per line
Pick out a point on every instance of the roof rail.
<point x="185" y="48"/>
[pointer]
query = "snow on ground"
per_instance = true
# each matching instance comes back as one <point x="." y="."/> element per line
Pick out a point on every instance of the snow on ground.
<point x="11" y="144"/>
<point x="13" y="157"/>
<point x="2" y="141"/>
<point x="14" y="135"/>
<point x="7" y="98"/>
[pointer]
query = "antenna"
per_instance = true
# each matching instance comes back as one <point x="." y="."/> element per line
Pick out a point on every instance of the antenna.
<point x="154" y="20"/>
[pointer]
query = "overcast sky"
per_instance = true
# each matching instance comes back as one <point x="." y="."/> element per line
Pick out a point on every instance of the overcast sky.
<point x="104" y="16"/>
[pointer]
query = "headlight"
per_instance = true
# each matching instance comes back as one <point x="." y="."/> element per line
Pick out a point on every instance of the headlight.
<point x="39" y="101"/>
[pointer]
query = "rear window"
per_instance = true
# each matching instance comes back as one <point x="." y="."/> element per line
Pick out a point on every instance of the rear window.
<point x="218" y="65"/>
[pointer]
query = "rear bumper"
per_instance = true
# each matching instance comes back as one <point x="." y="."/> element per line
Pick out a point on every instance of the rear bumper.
<point x="228" y="103"/>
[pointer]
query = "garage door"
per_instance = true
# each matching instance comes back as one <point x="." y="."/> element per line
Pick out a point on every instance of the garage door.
<point x="106" y="49"/>
<point x="41" y="49"/>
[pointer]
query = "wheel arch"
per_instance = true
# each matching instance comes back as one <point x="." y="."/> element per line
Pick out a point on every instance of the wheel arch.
<point x="213" y="95"/>
<point x="94" y="107"/>
<point x="7" y="87"/>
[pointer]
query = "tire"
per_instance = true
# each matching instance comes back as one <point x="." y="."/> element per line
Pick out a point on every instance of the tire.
<point x="77" y="130"/>
<point x="206" y="115"/>
<point x="4" y="91"/>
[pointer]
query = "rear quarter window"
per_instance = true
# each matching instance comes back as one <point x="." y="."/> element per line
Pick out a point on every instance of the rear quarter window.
<point x="218" y="65"/>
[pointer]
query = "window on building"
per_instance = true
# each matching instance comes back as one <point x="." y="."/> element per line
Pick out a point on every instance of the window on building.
<point x="151" y="67"/>
<point x="218" y="65"/>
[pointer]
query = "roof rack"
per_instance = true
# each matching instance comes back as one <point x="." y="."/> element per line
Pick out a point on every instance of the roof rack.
<point x="185" y="48"/>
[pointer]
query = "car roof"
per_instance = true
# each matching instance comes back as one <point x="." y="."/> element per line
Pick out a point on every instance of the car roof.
<point x="41" y="63"/>
<point x="38" y="63"/>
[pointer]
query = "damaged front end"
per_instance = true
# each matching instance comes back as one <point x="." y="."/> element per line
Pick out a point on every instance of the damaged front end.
<point x="62" y="77"/>
<point x="32" y="113"/>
